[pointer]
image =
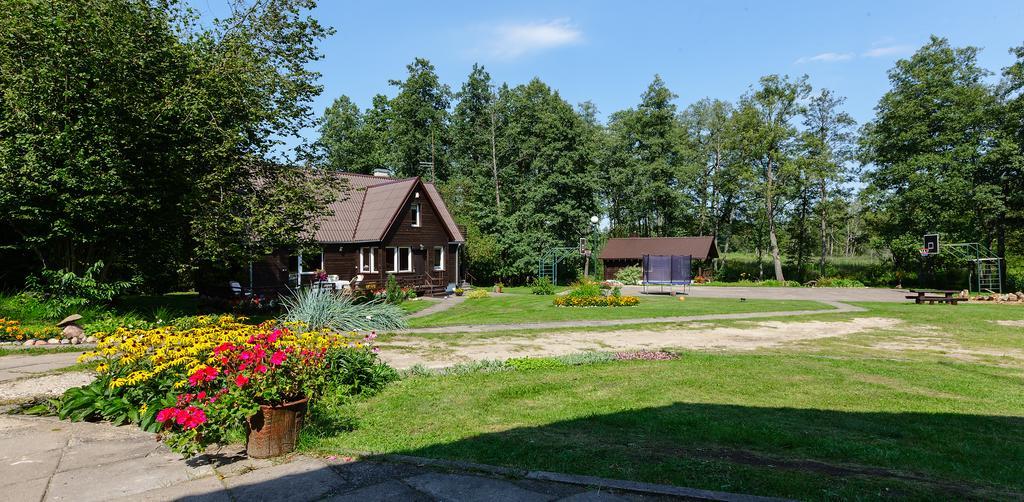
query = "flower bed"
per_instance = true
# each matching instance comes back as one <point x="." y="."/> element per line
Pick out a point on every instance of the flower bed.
<point x="200" y="379"/>
<point x="596" y="301"/>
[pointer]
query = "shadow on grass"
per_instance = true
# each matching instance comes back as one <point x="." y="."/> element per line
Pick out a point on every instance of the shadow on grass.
<point x="802" y="453"/>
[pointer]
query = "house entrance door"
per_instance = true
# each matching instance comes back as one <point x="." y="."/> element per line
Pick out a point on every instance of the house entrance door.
<point x="419" y="260"/>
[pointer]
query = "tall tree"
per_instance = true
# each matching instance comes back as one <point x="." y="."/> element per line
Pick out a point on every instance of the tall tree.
<point x="419" y="123"/>
<point x="829" y="142"/>
<point x="929" y="145"/>
<point x="643" y="181"/>
<point x="768" y="137"/>
<point x="149" y="142"/>
<point x="474" y="139"/>
<point x="344" y="139"/>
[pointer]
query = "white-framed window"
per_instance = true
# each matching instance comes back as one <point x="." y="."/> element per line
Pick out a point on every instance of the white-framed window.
<point x="367" y="259"/>
<point x="404" y="259"/>
<point x="391" y="259"/>
<point x="414" y="213"/>
<point x="439" y="257"/>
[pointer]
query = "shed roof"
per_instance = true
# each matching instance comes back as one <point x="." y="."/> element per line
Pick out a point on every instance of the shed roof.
<point x="367" y="210"/>
<point x="630" y="248"/>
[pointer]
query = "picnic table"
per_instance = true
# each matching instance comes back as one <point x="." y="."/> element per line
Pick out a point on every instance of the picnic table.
<point x="931" y="296"/>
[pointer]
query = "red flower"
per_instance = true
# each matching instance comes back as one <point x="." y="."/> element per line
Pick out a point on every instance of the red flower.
<point x="194" y="417"/>
<point x="224" y="347"/>
<point x="204" y="374"/>
<point x="241" y="380"/>
<point x="278" y="358"/>
<point x="165" y="414"/>
<point x="274" y="336"/>
<point x="261" y="368"/>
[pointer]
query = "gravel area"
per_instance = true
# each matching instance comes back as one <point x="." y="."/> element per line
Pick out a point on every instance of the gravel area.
<point x="30" y="388"/>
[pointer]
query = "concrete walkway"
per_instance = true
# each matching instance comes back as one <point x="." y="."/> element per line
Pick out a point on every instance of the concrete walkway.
<point x="16" y="366"/>
<point x="838" y="307"/>
<point x="440" y="305"/>
<point x="44" y="459"/>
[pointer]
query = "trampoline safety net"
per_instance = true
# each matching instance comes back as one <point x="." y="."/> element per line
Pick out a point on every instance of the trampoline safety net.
<point x="667" y="270"/>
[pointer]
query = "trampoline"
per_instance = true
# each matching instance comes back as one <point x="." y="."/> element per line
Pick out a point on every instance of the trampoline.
<point x="667" y="270"/>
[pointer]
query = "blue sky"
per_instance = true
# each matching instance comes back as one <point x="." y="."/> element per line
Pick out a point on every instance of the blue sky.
<point x="608" y="52"/>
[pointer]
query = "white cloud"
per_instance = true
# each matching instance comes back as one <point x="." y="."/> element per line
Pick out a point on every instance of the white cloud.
<point x="826" y="57"/>
<point x="888" y="50"/>
<point x="513" y="40"/>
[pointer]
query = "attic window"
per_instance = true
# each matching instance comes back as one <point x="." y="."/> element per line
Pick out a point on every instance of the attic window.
<point x="415" y="214"/>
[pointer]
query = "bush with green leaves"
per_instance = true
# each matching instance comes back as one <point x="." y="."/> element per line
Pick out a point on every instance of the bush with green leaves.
<point x="630" y="275"/>
<point x="393" y="293"/>
<point x="585" y="288"/>
<point x="839" y="282"/>
<point x="324" y="309"/>
<point x="66" y="291"/>
<point x="542" y="286"/>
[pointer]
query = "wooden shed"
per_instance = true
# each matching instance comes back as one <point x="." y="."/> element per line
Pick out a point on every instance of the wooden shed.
<point x="624" y="252"/>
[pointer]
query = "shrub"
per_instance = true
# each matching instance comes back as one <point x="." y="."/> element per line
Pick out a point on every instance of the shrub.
<point x="323" y="309"/>
<point x="476" y="294"/>
<point x="459" y="291"/>
<point x="109" y="323"/>
<point x="542" y="286"/>
<point x="392" y="293"/>
<point x="533" y="363"/>
<point x="67" y="291"/>
<point x="596" y="301"/>
<point x="839" y="282"/>
<point x="630" y="275"/>
<point x="585" y="288"/>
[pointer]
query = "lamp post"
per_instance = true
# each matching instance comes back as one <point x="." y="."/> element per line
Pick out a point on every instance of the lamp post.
<point x="590" y="247"/>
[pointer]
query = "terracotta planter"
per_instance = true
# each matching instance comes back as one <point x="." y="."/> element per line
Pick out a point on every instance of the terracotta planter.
<point x="275" y="429"/>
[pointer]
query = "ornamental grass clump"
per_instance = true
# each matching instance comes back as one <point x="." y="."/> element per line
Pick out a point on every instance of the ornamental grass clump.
<point x="323" y="309"/>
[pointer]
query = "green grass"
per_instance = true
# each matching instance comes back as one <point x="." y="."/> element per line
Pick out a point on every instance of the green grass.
<point x="39" y="351"/>
<point x="521" y="308"/>
<point x="413" y="306"/>
<point x="783" y="425"/>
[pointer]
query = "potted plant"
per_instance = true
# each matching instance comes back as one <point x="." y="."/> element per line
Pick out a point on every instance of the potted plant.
<point x="498" y="287"/>
<point x="261" y="385"/>
<point x="459" y="291"/>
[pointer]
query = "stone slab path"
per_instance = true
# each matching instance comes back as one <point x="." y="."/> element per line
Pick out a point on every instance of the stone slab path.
<point x="16" y="366"/>
<point x="43" y="459"/>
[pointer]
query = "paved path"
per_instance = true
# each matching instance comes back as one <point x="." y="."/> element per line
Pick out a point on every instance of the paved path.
<point x="15" y="366"/>
<point x="43" y="459"/>
<point x="815" y="294"/>
<point x="440" y="305"/>
<point x="838" y="307"/>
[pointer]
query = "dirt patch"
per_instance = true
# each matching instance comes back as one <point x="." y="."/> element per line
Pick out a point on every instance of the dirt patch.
<point x="758" y="335"/>
<point x="1012" y="324"/>
<point x="946" y="347"/>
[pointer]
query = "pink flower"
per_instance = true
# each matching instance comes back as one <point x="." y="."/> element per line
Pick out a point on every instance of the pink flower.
<point x="165" y="414"/>
<point x="261" y="368"/>
<point x="277" y="358"/>
<point x="194" y="417"/>
<point x="204" y="374"/>
<point x="274" y="336"/>
<point x="241" y="380"/>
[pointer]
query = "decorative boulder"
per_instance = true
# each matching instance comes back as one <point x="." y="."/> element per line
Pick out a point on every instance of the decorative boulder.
<point x="70" y="326"/>
<point x="53" y="341"/>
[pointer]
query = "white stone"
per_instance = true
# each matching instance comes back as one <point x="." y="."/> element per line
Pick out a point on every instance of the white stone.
<point x="53" y="341"/>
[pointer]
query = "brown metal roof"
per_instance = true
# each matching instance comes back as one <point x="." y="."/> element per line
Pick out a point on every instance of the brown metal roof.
<point x="630" y="248"/>
<point x="369" y="207"/>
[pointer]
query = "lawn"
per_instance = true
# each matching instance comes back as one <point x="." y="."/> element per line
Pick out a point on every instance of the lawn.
<point x="928" y="406"/>
<point x="518" y="307"/>
<point x="782" y="425"/>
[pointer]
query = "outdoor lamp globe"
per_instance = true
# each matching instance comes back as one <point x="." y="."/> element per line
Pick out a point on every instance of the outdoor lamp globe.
<point x="594" y="219"/>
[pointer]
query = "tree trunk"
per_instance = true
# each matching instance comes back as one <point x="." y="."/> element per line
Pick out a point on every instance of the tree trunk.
<point x="824" y="227"/>
<point x="772" y="238"/>
<point x="494" y="167"/>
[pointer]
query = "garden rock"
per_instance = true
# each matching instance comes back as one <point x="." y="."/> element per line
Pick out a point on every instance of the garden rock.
<point x="90" y="339"/>
<point x="53" y="341"/>
<point x="29" y="342"/>
<point x="70" y="327"/>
